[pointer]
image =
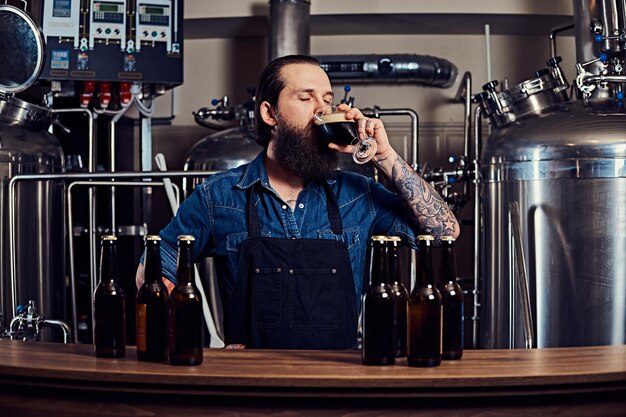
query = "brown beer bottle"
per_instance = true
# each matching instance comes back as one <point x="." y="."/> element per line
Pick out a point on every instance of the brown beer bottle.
<point x="185" y="312"/>
<point x="424" y="312"/>
<point x="452" y="301"/>
<point x="151" y="311"/>
<point x="378" y="309"/>
<point x="109" y="305"/>
<point x="401" y="293"/>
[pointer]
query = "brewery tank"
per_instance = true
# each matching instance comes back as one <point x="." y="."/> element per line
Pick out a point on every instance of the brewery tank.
<point x="27" y="148"/>
<point x="553" y="190"/>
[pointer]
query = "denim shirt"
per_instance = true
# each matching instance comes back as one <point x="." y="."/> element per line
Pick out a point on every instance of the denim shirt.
<point x="215" y="214"/>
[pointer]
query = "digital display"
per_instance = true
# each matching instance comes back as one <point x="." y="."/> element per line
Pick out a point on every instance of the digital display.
<point x="107" y="8"/>
<point x="154" y="10"/>
<point x="61" y="8"/>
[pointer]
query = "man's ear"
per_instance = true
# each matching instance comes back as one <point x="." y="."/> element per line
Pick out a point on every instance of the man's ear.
<point x="267" y="113"/>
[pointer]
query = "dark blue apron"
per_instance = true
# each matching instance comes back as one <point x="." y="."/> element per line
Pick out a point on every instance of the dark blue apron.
<point x="292" y="293"/>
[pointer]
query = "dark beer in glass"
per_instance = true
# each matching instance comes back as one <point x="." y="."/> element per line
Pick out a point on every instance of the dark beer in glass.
<point x="337" y="129"/>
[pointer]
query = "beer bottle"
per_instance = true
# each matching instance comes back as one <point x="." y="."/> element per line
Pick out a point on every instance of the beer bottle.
<point x="151" y="311"/>
<point x="185" y="312"/>
<point x="378" y="310"/>
<point x="401" y="293"/>
<point x="452" y="301"/>
<point x="424" y="312"/>
<point x="109" y="305"/>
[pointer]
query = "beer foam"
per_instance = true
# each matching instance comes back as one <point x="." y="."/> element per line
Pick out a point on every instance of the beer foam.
<point x="330" y="118"/>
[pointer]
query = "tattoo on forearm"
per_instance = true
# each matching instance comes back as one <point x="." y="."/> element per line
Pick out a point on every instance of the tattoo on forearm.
<point x="429" y="208"/>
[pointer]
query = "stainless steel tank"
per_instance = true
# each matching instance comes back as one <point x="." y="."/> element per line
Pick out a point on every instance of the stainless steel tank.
<point x="27" y="148"/>
<point x="554" y="218"/>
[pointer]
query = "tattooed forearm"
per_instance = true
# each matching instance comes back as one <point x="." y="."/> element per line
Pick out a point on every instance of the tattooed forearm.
<point x="430" y="210"/>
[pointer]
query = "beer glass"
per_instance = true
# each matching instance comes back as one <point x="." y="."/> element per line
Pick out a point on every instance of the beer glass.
<point x="337" y="129"/>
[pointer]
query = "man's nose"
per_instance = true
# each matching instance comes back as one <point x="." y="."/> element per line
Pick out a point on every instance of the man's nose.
<point x="323" y="108"/>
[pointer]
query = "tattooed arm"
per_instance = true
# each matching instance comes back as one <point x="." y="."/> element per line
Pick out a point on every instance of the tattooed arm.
<point x="430" y="210"/>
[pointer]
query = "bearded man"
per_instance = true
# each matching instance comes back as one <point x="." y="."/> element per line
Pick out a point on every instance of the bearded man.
<point x="288" y="231"/>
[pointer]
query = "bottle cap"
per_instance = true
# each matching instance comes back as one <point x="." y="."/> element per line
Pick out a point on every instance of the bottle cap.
<point x="425" y="237"/>
<point x="153" y="237"/>
<point x="379" y="238"/>
<point x="394" y="238"/>
<point x="186" y="238"/>
<point x="109" y="237"/>
<point x="447" y="239"/>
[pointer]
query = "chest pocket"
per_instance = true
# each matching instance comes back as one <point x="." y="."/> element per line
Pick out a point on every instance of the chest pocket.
<point x="234" y="241"/>
<point x="350" y="236"/>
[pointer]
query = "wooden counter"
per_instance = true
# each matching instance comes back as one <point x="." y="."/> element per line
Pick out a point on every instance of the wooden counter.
<point x="56" y="379"/>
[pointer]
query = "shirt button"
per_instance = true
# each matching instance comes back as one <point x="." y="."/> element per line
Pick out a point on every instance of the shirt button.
<point x="301" y="205"/>
<point x="284" y="207"/>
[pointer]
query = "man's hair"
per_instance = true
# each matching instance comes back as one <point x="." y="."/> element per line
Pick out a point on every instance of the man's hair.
<point x="270" y="86"/>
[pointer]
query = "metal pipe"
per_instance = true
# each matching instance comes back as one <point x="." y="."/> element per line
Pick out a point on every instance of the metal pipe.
<point x="112" y="130"/>
<point x="74" y="176"/>
<point x="521" y="278"/>
<point x="464" y="94"/>
<point x="609" y="16"/>
<point x="553" y="33"/>
<point x="290" y="28"/>
<point x="67" y="333"/>
<point x="599" y="79"/>
<point x="91" y="167"/>
<point x="488" y="51"/>
<point x="377" y="112"/>
<point x="477" y="223"/>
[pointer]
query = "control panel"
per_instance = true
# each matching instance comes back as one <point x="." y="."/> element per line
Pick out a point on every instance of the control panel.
<point x="107" y="22"/>
<point x="113" y="40"/>
<point x="63" y="20"/>
<point x="154" y="23"/>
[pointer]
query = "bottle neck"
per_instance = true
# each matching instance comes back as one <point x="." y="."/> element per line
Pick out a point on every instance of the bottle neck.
<point x="152" y="262"/>
<point x="394" y="263"/>
<point x="425" y="274"/>
<point x="379" y="263"/>
<point x="448" y="264"/>
<point x="108" y="262"/>
<point x="184" y="267"/>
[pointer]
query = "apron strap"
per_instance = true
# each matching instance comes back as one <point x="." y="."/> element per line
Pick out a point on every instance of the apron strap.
<point x="336" y="224"/>
<point x="254" y="225"/>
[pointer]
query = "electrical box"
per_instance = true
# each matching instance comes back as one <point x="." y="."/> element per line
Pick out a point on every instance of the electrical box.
<point x="114" y="40"/>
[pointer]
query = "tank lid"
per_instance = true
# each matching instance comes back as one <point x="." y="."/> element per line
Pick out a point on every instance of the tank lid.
<point x="21" y="67"/>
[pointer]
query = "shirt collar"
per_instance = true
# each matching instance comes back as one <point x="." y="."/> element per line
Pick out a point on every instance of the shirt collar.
<point x="255" y="172"/>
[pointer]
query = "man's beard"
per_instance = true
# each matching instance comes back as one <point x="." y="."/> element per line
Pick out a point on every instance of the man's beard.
<point x="304" y="152"/>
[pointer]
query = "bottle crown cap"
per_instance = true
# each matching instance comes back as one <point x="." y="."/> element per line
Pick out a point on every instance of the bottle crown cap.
<point x="447" y="239"/>
<point x="153" y="237"/>
<point x="186" y="238"/>
<point x="425" y="237"/>
<point x="109" y="237"/>
<point x="379" y="238"/>
<point x="394" y="238"/>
